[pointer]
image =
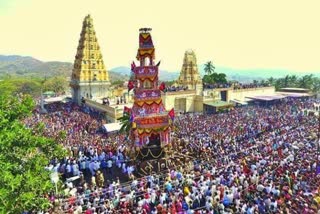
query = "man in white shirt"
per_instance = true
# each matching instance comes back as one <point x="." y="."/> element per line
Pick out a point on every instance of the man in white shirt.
<point x="109" y="166"/>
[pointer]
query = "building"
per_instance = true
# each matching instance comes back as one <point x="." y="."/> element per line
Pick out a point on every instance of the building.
<point x="89" y="79"/>
<point x="189" y="76"/>
<point x="90" y="82"/>
<point x="190" y="96"/>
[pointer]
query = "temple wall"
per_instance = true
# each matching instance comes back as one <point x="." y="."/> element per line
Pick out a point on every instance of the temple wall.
<point x="112" y="114"/>
<point x="198" y="103"/>
<point x="179" y="100"/>
<point x="96" y="91"/>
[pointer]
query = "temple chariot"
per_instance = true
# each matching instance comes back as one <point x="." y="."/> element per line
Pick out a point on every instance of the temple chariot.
<point x="151" y="124"/>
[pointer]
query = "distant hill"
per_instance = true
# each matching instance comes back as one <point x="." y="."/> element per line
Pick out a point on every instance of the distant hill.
<point x="248" y="75"/>
<point x="241" y="75"/>
<point x="163" y="75"/>
<point x="26" y="66"/>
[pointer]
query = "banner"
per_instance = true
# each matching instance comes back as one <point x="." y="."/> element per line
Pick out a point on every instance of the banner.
<point x="130" y="85"/>
<point x="126" y="110"/>
<point x="162" y="86"/>
<point x="152" y="120"/>
<point x="171" y="114"/>
<point x="133" y="66"/>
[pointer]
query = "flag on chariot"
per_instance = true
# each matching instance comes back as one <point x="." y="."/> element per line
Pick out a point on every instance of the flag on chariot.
<point x="162" y="86"/>
<point x="133" y="66"/>
<point x="171" y="114"/>
<point x="126" y="110"/>
<point x="130" y="85"/>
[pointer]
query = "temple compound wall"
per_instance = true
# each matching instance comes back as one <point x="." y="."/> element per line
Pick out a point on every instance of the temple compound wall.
<point x="189" y="101"/>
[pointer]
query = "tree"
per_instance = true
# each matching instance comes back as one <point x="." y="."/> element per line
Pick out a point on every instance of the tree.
<point x="271" y="80"/>
<point x="209" y="68"/>
<point x="316" y="85"/>
<point x="293" y="81"/>
<point x="117" y="83"/>
<point x="57" y="84"/>
<point x="24" y="153"/>
<point x="286" y="81"/>
<point x="219" y="78"/>
<point x="305" y="81"/>
<point x="126" y="124"/>
<point x="16" y="86"/>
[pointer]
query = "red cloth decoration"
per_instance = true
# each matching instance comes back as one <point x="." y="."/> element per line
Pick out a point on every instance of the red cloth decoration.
<point x="130" y="85"/>
<point x="171" y="114"/>
<point x="162" y="86"/>
<point x="151" y="121"/>
<point x="126" y="110"/>
<point x="133" y="66"/>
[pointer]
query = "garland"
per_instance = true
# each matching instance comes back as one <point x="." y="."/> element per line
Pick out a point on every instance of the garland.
<point x="149" y="152"/>
<point x="152" y="130"/>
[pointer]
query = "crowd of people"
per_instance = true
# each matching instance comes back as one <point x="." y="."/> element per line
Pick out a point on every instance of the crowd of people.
<point x="175" y="88"/>
<point x="249" y="85"/>
<point x="249" y="160"/>
<point x="93" y="155"/>
<point x="235" y="86"/>
<point x="216" y="85"/>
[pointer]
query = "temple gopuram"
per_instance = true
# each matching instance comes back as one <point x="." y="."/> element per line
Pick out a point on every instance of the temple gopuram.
<point x="189" y="77"/>
<point x="89" y="79"/>
<point x="151" y="123"/>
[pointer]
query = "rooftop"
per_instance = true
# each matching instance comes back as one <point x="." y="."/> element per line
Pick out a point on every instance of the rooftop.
<point x="295" y="89"/>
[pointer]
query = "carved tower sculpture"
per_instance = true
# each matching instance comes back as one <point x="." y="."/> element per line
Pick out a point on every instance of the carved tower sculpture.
<point x="189" y="75"/>
<point x="89" y="79"/>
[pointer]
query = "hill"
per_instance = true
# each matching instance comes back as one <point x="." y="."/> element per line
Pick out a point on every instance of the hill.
<point x="163" y="75"/>
<point x="241" y="75"/>
<point x="248" y="75"/>
<point x="26" y="66"/>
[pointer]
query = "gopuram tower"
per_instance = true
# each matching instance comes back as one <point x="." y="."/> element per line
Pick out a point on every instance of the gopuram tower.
<point x="189" y="75"/>
<point x="151" y="123"/>
<point x="89" y="79"/>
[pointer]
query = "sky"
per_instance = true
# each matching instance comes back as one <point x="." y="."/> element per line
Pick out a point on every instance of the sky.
<point x="246" y="34"/>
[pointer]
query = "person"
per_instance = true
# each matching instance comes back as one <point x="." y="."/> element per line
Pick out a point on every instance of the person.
<point x="109" y="166"/>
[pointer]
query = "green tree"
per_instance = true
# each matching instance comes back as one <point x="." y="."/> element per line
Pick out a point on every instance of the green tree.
<point x="21" y="86"/>
<point x="126" y="124"/>
<point x="293" y="81"/>
<point x="271" y="80"/>
<point x="24" y="153"/>
<point x="306" y="81"/>
<point x="316" y="85"/>
<point x="117" y="83"/>
<point x="219" y="77"/>
<point x="286" y="81"/>
<point x="209" y="68"/>
<point x="57" y="84"/>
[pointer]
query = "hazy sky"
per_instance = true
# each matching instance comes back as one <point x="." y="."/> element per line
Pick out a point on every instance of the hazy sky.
<point x="241" y="34"/>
